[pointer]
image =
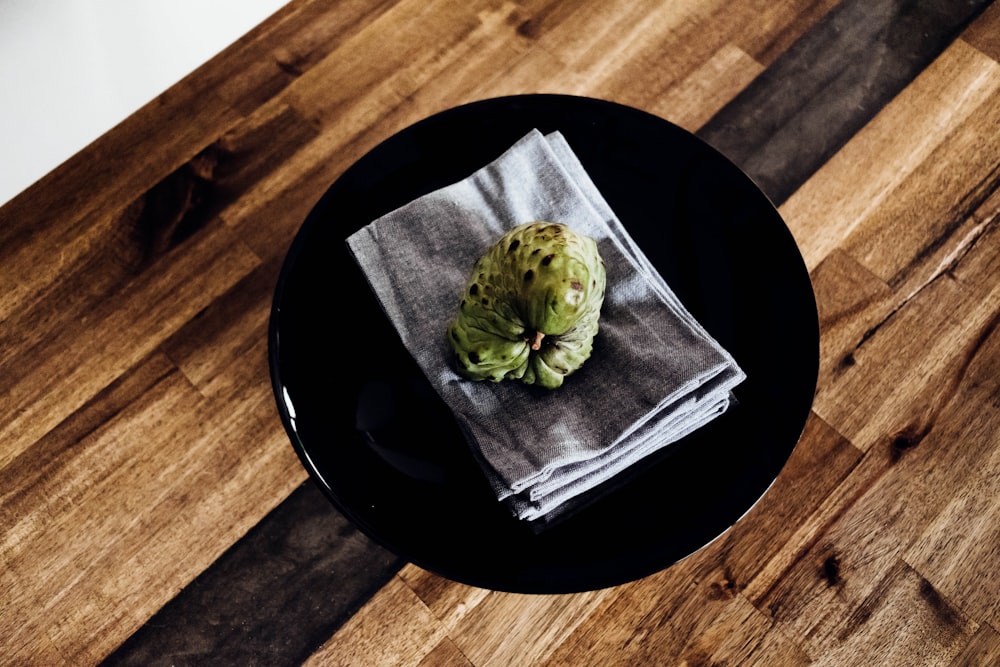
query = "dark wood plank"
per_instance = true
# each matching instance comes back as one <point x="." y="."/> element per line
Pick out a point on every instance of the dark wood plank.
<point x="829" y="84"/>
<point x="289" y="566"/>
<point x="984" y="34"/>
<point x="951" y="92"/>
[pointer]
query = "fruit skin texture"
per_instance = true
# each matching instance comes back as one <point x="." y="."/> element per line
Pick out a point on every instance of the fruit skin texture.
<point x="531" y="307"/>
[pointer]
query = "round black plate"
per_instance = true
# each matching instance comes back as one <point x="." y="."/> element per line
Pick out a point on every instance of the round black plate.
<point x="385" y="449"/>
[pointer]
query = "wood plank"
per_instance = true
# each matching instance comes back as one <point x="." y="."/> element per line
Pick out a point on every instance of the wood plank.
<point x="700" y="95"/>
<point x="830" y="80"/>
<point x="835" y="201"/>
<point x="90" y="566"/>
<point x="104" y="257"/>
<point x="923" y="287"/>
<point x="966" y="531"/>
<point x="940" y="209"/>
<point x="629" y="32"/>
<point x="984" y="649"/>
<point x="850" y="302"/>
<point x="742" y="635"/>
<point x="777" y="27"/>
<point x="448" y="600"/>
<point x="832" y="580"/>
<point x="38" y="481"/>
<point x="984" y="33"/>
<point x="903" y="621"/>
<point x="672" y="614"/>
<point x="445" y="654"/>
<point x="274" y="54"/>
<point x="683" y="40"/>
<point x="64" y="370"/>
<point x="289" y="566"/>
<point x="533" y="624"/>
<point x="900" y="395"/>
<point x="223" y="350"/>
<point x="63" y="466"/>
<point x="846" y="567"/>
<point x="394" y="628"/>
<point x="374" y="80"/>
<point x="860" y="552"/>
<point x="153" y="142"/>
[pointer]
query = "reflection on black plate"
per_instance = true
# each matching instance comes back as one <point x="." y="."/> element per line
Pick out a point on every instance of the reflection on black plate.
<point x="386" y="450"/>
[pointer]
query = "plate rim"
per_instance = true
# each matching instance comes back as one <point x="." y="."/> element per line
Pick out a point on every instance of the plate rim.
<point x="286" y="410"/>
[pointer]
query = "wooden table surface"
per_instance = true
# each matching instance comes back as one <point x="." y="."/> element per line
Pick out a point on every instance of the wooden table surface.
<point x="152" y="510"/>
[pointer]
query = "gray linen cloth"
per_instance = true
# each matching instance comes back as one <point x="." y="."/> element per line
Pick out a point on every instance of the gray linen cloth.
<point x="655" y="374"/>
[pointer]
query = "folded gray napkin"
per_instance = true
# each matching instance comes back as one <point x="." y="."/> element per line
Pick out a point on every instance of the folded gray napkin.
<point x="655" y="373"/>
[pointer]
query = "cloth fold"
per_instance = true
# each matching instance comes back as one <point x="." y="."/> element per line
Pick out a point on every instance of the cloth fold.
<point x="655" y="374"/>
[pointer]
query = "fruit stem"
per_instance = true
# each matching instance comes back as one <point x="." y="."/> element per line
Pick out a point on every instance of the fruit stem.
<point x="536" y="342"/>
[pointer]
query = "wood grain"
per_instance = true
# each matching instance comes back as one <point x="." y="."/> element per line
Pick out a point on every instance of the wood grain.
<point x="828" y="208"/>
<point x="287" y="567"/>
<point x="153" y="512"/>
<point x="396" y="627"/>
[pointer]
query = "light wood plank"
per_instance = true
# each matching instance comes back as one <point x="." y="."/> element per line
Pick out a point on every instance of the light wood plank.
<point x="394" y="628"/>
<point x="89" y="564"/>
<point x="700" y="95"/>
<point x="533" y="624"/>
<point x="984" y="649"/>
<point x="445" y="654"/>
<point x="960" y="547"/>
<point x="74" y="363"/>
<point x="835" y="201"/>
<point x="904" y="621"/>
<point x="449" y="600"/>
<point x="741" y="635"/>
<point x="939" y="210"/>
<point x="984" y="33"/>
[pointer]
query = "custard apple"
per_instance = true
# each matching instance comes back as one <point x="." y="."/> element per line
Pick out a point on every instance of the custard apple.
<point x="531" y="307"/>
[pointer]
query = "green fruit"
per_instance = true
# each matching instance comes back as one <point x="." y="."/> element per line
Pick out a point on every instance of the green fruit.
<point x="531" y="307"/>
